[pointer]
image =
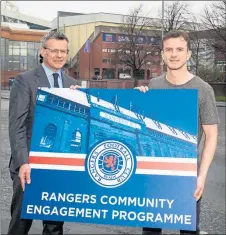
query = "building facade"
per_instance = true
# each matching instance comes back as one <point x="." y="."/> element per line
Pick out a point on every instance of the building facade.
<point x="20" y="41"/>
<point x="101" y="59"/>
<point x="19" y="51"/>
<point x="76" y="126"/>
<point x="102" y="30"/>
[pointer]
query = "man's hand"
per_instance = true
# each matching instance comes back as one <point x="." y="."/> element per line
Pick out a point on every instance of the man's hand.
<point x="25" y="175"/>
<point x="200" y="187"/>
<point x="73" y="87"/>
<point x="142" y="88"/>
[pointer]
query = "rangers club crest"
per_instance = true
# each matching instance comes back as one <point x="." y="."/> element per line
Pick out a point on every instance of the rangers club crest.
<point x="110" y="164"/>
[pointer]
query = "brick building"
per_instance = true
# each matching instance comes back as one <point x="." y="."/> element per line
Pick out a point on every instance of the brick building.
<point x="19" y="51"/>
<point x="20" y="43"/>
<point x="100" y="59"/>
<point x="102" y="29"/>
<point x="99" y="26"/>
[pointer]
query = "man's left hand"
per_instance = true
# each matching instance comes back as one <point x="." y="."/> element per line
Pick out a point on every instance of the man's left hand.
<point x="200" y="187"/>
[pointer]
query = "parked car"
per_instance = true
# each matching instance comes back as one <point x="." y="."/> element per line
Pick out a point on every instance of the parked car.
<point x="124" y="76"/>
<point x="96" y="77"/>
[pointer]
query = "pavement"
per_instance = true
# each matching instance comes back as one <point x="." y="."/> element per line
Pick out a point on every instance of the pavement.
<point x="213" y="202"/>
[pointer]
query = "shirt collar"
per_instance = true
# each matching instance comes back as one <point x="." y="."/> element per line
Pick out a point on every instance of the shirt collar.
<point x="49" y="72"/>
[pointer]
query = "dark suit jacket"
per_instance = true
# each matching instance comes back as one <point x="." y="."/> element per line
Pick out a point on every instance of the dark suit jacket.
<point x="21" y="112"/>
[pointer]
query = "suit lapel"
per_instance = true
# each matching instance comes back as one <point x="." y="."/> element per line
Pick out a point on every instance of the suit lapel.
<point x="65" y="80"/>
<point x="42" y="80"/>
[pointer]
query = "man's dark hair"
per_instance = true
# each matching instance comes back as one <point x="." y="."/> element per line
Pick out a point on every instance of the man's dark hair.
<point x="177" y="34"/>
<point x="40" y="58"/>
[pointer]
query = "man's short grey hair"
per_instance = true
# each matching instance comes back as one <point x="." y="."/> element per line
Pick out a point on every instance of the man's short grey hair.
<point x="53" y="35"/>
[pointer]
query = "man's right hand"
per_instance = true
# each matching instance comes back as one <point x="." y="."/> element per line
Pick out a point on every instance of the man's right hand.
<point x="25" y="175"/>
<point x="142" y="88"/>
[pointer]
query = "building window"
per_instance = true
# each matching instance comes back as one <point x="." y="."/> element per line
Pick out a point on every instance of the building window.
<point x="106" y="61"/>
<point x="108" y="73"/>
<point x="96" y="71"/>
<point x="139" y="74"/>
<point x="76" y="141"/>
<point x="49" y="136"/>
<point x="221" y="65"/>
<point x="22" y="55"/>
<point x="104" y="50"/>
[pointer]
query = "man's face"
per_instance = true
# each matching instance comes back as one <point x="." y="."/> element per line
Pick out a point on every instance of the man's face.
<point x="175" y="53"/>
<point x="55" y="53"/>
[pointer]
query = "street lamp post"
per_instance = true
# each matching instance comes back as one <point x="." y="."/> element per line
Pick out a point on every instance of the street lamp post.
<point x="0" y="73"/>
<point x="58" y="21"/>
<point x="0" y="54"/>
<point x="162" y="29"/>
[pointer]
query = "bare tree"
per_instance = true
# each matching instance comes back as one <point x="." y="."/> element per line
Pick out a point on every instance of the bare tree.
<point x="132" y="48"/>
<point x="214" y="19"/>
<point x="176" y="16"/>
<point x="202" y="51"/>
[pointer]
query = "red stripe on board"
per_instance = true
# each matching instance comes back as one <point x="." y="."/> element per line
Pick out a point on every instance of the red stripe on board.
<point x="57" y="161"/>
<point x="167" y="166"/>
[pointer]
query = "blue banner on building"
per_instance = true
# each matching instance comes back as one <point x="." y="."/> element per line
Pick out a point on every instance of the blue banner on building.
<point x="87" y="46"/>
<point x="122" y="38"/>
<point x="108" y="37"/>
<point x="114" y="156"/>
<point x="155" y="41"/>
<point x="140" y="40"/>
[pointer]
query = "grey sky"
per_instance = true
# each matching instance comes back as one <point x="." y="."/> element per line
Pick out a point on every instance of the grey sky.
<point x="48" y="9"/>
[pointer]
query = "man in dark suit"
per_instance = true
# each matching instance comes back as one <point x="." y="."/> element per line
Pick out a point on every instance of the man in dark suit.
<point x="54" y="51"/>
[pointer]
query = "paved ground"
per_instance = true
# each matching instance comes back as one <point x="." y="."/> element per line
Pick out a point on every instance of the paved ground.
<point x="213" y="205"/>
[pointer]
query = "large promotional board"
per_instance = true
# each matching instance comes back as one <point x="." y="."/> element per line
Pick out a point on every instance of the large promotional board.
<point x="114" y="156"/>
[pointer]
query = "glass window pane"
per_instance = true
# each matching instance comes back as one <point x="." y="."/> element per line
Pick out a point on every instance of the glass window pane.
<point x="10" y="44"/>
<point x="2" y="50"/>
<point x="10" y="58"/>
<point x="16" y="51"/>
<point x="31" y="62"/>
<point x="16" y="58"/>
<point x="23" y="44"/>
<point x="24" y="59"/>
<point x="23" y="52"/>
<point x="37" y="53"/>
<point x="10" y="65"/>
<point x="37" y="45"/>
<point x="6" y="62"/>
<point x="49" y="136"/>
<point x="23" y="62"/>
<point x="16" y="65"/>
<point x="7" y="43"/>
<point x="3" y="63"/>
<point x="30" y="45"/>
<point x="10" y="51"/>
<point x="31" y="52"/>
<point x="16" y="44"/>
